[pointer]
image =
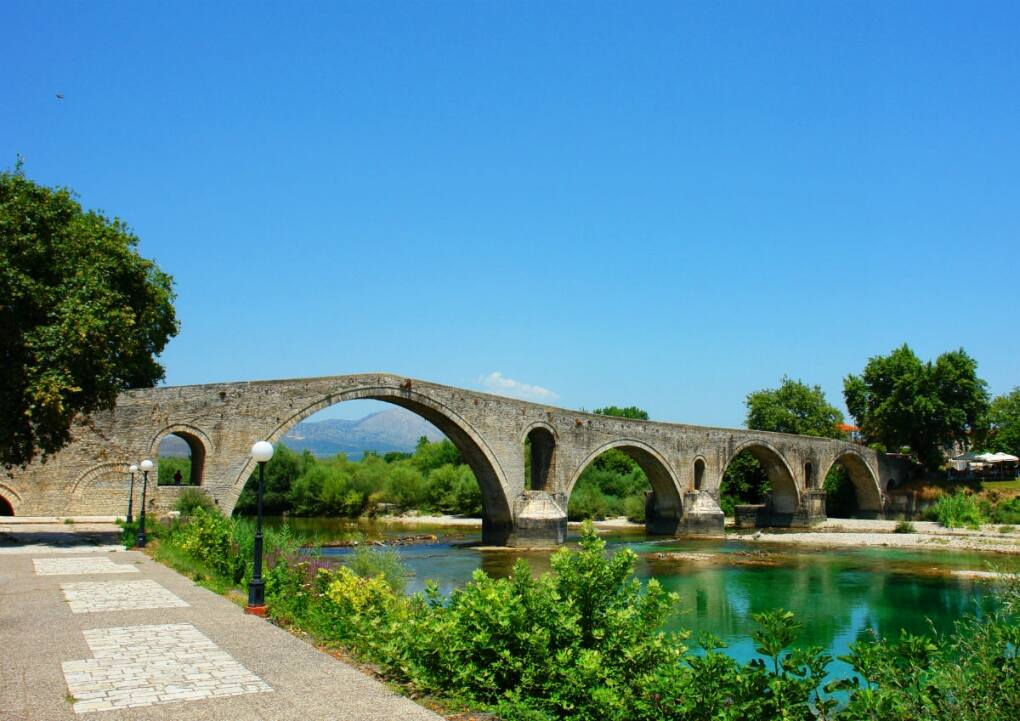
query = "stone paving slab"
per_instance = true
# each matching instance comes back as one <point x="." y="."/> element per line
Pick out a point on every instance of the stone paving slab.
<point x="36" y="549"/>
<point x="93" y="596"/>
<point x="79" y="566"/>
<point x="157" y="664"/>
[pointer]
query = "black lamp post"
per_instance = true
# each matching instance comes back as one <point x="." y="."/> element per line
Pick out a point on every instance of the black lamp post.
<point x="140" y="538"/>
<point x="260" y="452"/>
<point x="131" y="493"/>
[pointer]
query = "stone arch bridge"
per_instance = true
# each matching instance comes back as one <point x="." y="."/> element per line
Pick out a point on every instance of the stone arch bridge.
<point x="220" y="421"/>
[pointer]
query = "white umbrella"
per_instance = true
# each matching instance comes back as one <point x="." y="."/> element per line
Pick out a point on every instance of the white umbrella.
<point x="1005" y="458"/>
<point x="989" y="458"/>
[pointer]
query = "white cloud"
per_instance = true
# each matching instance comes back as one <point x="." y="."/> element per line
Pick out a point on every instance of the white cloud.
<point x="499" y="383"/>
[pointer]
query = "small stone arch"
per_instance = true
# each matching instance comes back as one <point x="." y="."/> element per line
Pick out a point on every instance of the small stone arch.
<point x="809" y="475"/>
<point x="9" y="500"/>
<point x="497" y="521"/>
<point x="699" y="473"/>
<point x="785" y="493"/>
<point x="102" y="473"/>
<point x="661" y="475"/>
<point x="543" y="454"/>
<point x="199" y="445"/>
<point x="865" y="482"/>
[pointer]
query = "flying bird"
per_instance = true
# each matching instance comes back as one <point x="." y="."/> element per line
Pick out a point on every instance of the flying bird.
<point x="60" y="96"/>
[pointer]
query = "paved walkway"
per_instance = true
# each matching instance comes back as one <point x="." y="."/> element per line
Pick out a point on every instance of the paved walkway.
<point x="90" y="633"/>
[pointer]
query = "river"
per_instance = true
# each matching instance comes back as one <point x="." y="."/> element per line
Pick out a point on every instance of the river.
<point x="838" y="595"/>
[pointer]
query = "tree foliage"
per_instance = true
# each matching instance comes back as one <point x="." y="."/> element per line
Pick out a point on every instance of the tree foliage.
<point x="900" y="401"/>
<point x="434" y="478"/>
<point x="82" y="316"/>
<point x="1004" y="423"/>
<point x="628" y="412"/>
<point x="793" y="407"/>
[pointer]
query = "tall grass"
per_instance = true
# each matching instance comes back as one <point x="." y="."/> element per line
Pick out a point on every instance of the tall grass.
<point x="956" y="511"/>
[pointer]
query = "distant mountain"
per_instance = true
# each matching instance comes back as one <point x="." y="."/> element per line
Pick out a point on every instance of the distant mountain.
<point x="394" y="429"/>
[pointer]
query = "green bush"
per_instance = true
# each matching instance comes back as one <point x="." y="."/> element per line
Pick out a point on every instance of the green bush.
<point x="588" y="503"/>
<point x="384" y="563"/>
<point x="956" y="511"/>
<point x="634" y="508"/>
<point x="1006" y="511"/>
<point x="905" y="527"/>
<point x="191" y="499"/>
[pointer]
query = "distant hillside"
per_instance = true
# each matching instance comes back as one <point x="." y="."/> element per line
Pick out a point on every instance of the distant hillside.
<point x="394" y="429"/>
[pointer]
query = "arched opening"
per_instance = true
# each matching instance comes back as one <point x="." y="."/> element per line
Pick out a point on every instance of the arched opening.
<point x="758" y="474"/>
<point x="626" y="479"/>
<point x="181" y="458"/>
<point x="6" y="509"/>
<point x="851" y="490"/>
<point x="809" y="475"/>
<point x="539" y="452"/>
<point x="699" y="474"/>
<point x="377" y="451"/>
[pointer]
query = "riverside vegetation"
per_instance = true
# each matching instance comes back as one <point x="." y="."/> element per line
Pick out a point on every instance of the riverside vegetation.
<point x="586" y="641"/>
<point x="433" y="479"/>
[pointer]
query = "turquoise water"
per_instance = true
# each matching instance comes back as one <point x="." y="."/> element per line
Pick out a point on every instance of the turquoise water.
<point x="838" y="595"/>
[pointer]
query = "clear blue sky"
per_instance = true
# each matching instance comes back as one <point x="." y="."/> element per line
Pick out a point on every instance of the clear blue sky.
<point x="667" y="205"/>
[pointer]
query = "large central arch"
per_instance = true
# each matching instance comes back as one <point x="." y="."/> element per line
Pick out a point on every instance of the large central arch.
<point x="497" y="520"/>
<point x="785" y="497"/>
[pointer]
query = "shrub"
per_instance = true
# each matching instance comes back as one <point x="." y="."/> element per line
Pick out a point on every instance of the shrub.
<point x="192" y="499"/>
<point x="208" y="537"/>
<point x="905" y="527"/>
<point x="634" y="508"/>
<point x="587" y="503"/>
<point x="956" y="511"/>
<point x="1006" y="511"/>
<point x="379" y="563"/>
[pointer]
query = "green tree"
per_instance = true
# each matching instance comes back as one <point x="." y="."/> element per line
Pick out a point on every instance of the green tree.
<point x="793" y="407"/>
<point x="1003" y="421"/>
<point x="282" y="470"/>
<point x="82" y="316"/>
<point x="900" y="401"/>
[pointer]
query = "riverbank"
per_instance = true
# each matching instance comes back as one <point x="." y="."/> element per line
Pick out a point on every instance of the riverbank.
<point x="833" y="533"/>
<point x="949" y="540"/>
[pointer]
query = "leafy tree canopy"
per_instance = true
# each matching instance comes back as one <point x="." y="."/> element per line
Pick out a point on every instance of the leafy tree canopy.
<point x="793" y="407"/>
<point x="901" y="401"/>
<point x="628" y="412"/>
<point x="1004" y="423"/>
<point x="82" y="316"/>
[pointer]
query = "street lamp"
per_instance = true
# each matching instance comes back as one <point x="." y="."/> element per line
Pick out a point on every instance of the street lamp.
<point x="131" y="493"/>
<point x="140" y="538"/>
<point x="260" y="453"/>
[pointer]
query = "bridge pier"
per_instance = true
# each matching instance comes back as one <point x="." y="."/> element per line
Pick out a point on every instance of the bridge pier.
<point x="699" y="515"/>
<point x="702" y="515"/>
<point x="539" y="521"/>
